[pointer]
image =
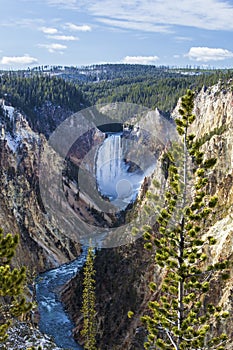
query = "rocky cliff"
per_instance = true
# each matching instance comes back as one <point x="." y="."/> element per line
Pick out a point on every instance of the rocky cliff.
<point x="42" y="243"/>
<point x="123" y="273"/>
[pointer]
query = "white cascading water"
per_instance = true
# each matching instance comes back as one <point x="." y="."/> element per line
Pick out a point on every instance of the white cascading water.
<point x="114" y="180"/>
<point x="109" y="166"/>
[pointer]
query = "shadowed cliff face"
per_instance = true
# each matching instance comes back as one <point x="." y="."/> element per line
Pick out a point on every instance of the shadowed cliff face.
<point x="121" y="282"/>
<point x="48" y="117"/>
<point x="123" y="273"/>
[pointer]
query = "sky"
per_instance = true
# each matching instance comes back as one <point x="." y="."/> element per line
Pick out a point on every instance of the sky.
<point x="84" y="32"/>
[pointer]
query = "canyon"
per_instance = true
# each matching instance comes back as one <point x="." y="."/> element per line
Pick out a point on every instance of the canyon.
<point x="122" y="272"/>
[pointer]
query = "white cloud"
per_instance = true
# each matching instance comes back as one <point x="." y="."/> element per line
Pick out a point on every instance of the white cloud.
<point x="140" y="59"/>
<point x="49" y="30"/>
<point x="63" y="3"/>
<point x="136" y="25"/>
<point x="77" y="28"/>
<point x="205" y="54"/>
<point x="23" y="23"/>
<point x="53" y="47"/>
<point x="208" y="14"/>
<point x="26" y="59"/>
<point x="63" y="37"/>
<point x="183" y="38"/>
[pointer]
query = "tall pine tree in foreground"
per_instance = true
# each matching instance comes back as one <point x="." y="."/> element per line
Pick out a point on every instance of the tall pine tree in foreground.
<point x="180" y="317"/>
<point x="12" y="282"/>
<point x="88" y="306"/>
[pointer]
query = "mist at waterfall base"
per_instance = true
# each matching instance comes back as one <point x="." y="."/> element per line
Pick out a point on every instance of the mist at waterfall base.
<point x="117" y="179"/>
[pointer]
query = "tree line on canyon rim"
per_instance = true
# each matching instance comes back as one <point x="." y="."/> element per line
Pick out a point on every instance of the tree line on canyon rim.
<point x="177" y="317"/>
<point x="153" y="88"/>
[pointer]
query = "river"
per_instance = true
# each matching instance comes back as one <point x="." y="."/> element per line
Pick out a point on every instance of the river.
<point x="53" y="319"/>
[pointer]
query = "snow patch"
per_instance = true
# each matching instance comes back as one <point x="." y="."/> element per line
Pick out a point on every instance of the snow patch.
<point x="22" y="130"/>
<point x="22" y="336"/>
<point x="13" y="143"/>
<point x="10" y="111"/>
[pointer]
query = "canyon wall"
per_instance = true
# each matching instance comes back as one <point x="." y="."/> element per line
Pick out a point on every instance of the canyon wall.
<point x="43" y="244"/>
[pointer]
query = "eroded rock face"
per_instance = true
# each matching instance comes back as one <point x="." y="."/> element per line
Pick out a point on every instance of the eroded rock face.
<point x="123" y="273"/>
<point x="42" y="243"/>
<point x="213" y="127"/>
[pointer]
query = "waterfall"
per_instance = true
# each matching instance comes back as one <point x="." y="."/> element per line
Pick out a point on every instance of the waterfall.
<point x="116" y="178"/>
<point x="110" y="166"/>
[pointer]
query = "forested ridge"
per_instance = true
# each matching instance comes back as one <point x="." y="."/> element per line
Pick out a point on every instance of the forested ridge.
<point x="74" y="88"/>
<point x="35" y="90"/>
<point x="158" y="89"/>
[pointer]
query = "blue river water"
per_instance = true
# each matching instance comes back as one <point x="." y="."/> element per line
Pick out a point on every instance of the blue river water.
<point x="53" y="319"/>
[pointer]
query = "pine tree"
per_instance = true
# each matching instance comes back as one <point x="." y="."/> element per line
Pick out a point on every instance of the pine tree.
<point x="180" y="317"/>
<point x="12" y="282"/>
<point x="88" y="306"/>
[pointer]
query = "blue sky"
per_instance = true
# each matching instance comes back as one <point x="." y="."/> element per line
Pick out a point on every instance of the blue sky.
<point x="83" y="32"/>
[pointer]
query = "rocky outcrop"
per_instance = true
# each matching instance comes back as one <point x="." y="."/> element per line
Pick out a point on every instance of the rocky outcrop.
<point x="23" y="336"/>
<point x="123" y="273"/>
<point x="214" y="126"/>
